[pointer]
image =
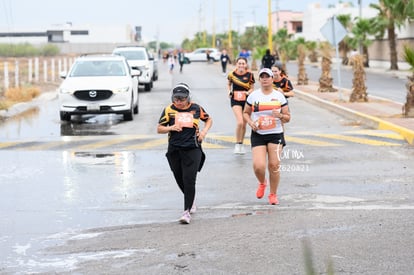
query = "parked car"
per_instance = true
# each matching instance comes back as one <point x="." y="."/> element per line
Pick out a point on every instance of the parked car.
<point x="201" y="54"/>
<point x="139" y="58"/>
<point x="99" y="84"/>
<point x="155" y="66"/>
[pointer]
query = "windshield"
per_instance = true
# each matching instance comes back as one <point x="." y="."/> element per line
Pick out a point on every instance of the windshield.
<point x="98" y="68"/>
<point x="132" y="55"/>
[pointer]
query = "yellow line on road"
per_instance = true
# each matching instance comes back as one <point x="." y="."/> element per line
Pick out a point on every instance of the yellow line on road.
<point x="231" y="139"/>
<point x="7" y="144"/>
<point x="43" y="146"/>
<point x="358" y="140"/>
<point x="149" y="144"/>
<point x="309" y="141"/>
<point x="379" y="133"/>
<point x="103" y="143"/>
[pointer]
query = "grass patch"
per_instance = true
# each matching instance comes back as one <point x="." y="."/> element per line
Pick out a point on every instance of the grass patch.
<point x="16" y="95"/>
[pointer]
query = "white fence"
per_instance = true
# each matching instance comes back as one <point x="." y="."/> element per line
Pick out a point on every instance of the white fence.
<point x="19" y="72"/>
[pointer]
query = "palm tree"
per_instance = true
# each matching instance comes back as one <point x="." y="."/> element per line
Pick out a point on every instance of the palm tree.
<point x="359" y="90"/>
<point x="312" y="46"/>
<point x="408" y="109"/>
<point x="302" y="76"/>
<point x="326" y="80"/>
<point x="343" y="46"/>
<point x="392" y="14"/>
<point x="361" y="31"/>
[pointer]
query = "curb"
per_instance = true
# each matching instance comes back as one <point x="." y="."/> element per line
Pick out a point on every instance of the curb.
<point x="25" y="106"/>
<point x="365" y="119"/>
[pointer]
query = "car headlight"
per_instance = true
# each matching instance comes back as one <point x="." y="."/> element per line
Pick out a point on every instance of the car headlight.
<point x="64" y="91"/>
<point x="122" y="90"/>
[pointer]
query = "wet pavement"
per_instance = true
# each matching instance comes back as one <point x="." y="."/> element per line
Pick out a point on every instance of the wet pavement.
<point x="353" y="208"/>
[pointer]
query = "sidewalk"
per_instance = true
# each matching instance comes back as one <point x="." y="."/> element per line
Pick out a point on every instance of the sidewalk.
<point x="378" y="113"/>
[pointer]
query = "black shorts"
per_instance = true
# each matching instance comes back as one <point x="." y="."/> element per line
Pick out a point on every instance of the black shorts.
<point x="237" y="103"/>
<point x="262" y="140"/>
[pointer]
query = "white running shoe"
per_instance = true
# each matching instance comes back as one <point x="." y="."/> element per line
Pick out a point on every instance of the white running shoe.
<point x="185" y="218"/>
<point x="242" y="151"/>
<point x="237" y="148"/>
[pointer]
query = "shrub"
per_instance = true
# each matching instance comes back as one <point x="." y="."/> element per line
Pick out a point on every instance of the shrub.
<point x="22" y="94"/>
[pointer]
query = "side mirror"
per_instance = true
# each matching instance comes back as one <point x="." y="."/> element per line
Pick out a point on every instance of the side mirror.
<point x="63" y="74"/>
<point x="135" y="72"/>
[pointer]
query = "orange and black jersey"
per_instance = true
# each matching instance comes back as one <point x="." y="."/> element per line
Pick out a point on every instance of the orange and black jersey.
<point x="187" y="138"/>
<point x="283" y="84"/>
<point x="241" y="82"/>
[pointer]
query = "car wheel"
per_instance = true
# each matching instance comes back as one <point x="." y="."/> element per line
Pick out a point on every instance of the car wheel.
<point x="136" y="108"/>
<point x="129" y="115"/>
<point x="148" y="87"/>
<point x="64" y="116"/>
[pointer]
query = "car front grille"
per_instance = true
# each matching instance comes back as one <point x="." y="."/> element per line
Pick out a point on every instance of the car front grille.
<point x="93" y="95"/>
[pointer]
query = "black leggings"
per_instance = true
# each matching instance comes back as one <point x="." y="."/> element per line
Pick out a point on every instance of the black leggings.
<point x="184" y="164"/>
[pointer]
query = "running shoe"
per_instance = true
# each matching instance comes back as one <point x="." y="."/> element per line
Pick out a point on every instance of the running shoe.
<point x="237" y="148"/>
<point x="273" y="199"/>
<point x="193" y="209"/>
<point x="260" y="190"/>
<point x="242" y="151"/>
<point x="185" y="218"/>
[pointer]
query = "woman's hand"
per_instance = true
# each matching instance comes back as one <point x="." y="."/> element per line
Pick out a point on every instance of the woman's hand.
<point x="254" y="125"/>
<point x="201" y="136"/>
<point x="175" y="128"/>
<point x="276" y="113"/>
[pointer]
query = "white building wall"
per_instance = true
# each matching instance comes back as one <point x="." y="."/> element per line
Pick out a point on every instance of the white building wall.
<point x="315" y="17"/>
<point x="97" y="34"/>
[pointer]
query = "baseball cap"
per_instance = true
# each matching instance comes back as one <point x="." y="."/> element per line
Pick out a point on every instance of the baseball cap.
<point x="266" y="71"/>
<point x="181" y="90"/>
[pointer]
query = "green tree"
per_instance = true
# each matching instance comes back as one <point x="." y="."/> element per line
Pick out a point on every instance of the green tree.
<point x="361" y="32"/>
<point x="408" y="109"/>
<point x="392" y="14"/>
<point x="312" y="46"/>
<point x="343" y="46"/>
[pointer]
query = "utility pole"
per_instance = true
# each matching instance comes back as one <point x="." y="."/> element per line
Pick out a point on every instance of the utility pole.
<point x="269" y="24"/>
<point x="277" y="15"/>
<point x="230" y="38"/>
<point x="360" y="17"/>
<point x="213" y="38"/>
<point x="238" y="16"/>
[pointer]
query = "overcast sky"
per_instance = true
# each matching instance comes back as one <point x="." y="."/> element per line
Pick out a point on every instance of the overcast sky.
<point x="171" y="22"/>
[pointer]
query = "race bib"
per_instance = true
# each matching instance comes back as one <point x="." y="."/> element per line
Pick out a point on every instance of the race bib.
<point x="184" y="119"/>
<point x="239" y="95"/>
<point x="266" y="122"/>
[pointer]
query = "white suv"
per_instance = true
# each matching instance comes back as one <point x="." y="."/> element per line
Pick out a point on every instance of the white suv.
<point x="201" y="55"/>
<point x="99" y="84"/>
<point x="139" y="58"/>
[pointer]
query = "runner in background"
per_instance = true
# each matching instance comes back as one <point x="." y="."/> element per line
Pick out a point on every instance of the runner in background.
<point x="240" y="83"/>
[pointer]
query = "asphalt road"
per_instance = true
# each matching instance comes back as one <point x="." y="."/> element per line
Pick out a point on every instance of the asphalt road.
<point x="99" y="205"/>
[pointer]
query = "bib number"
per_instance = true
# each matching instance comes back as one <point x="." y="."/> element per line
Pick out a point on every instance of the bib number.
<point x="184" y="119"/>
<point x="239" y="95"/>
<point x="266" y="122"/>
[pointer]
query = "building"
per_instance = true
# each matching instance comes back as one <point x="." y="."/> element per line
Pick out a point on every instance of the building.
<point x="75" y="38"/>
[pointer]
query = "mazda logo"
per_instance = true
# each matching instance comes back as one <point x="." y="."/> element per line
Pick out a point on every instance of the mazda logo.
<point x="93" y="93"/>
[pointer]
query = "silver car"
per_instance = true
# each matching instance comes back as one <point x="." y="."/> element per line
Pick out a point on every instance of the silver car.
<point x="99" y="84"/>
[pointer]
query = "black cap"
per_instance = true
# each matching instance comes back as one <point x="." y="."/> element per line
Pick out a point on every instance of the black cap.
<point x="181" y="89"/>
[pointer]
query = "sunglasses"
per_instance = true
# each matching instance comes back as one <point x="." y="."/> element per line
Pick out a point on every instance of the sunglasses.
<point x="180" y="98"/>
